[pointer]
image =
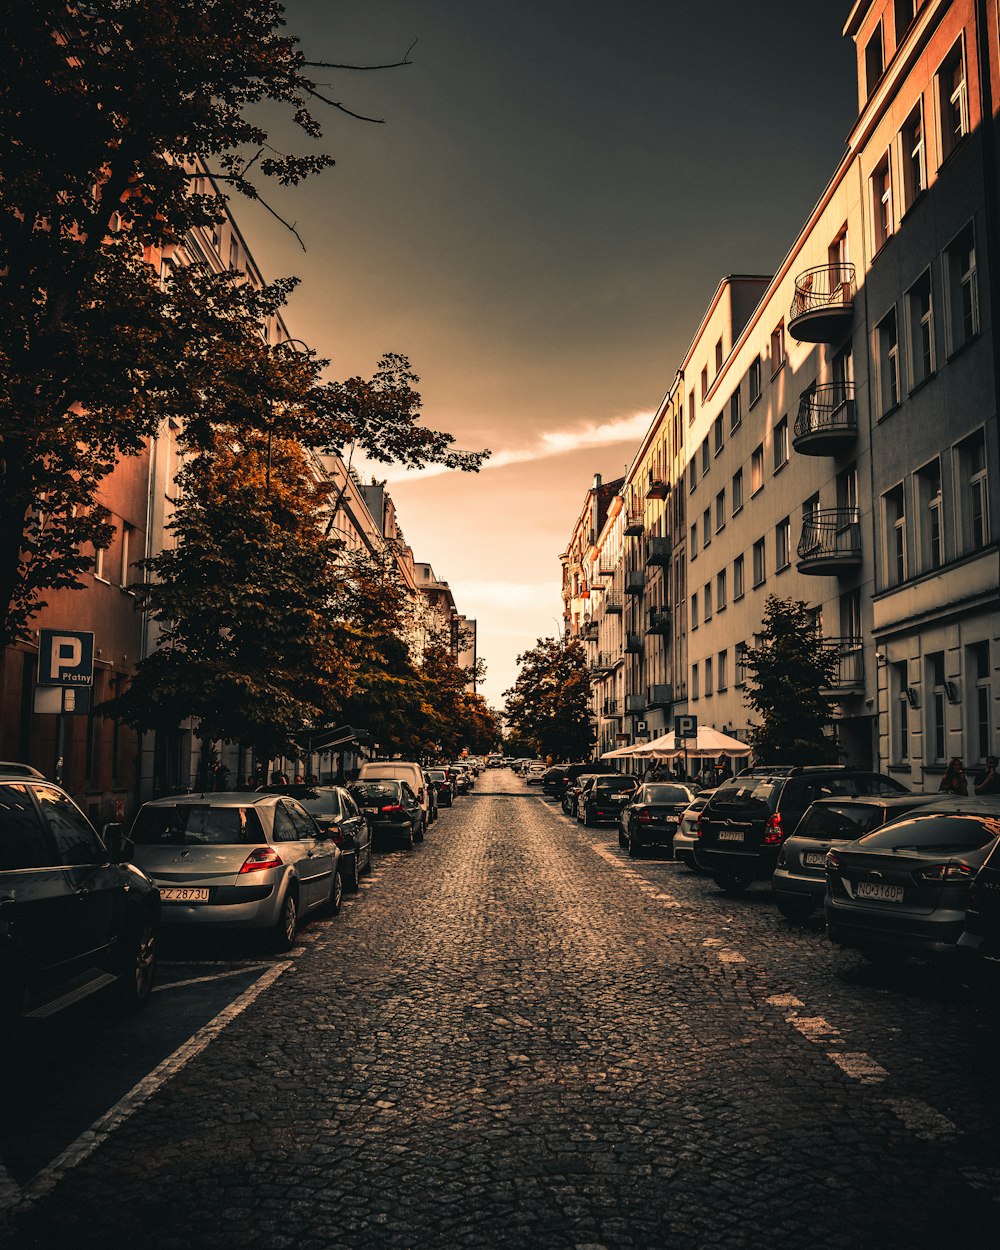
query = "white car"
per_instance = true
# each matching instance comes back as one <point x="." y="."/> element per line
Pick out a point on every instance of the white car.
<point x="533" y="774"/>
<point x="686" y="836"/>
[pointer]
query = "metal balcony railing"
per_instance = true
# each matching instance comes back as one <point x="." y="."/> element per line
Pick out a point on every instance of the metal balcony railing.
<point x="823" y="303"/>
<point x="635" y="704"/>
<point x="658" y="621"/>
<point x="590" y="631"/>
<point x="661" y="694"/>
<point x="657" y="489"/>
<point x="827" y="419"/>
<point x="635" y="581"/>
<point x="612" y="708"/>
<point x="850" y="656"/>
<point x="658" y="551"/>
<point x="633" y="644"/>
<point x="613" y="603"/>
<point x="830" y="540"/>
<point x="635" y="521"/>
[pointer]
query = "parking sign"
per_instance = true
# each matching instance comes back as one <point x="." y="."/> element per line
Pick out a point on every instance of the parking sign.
<point x="685" y="726"/>
<point x="65" y="657"/>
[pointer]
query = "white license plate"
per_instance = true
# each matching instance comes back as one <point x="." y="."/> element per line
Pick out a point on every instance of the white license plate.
<point x="884" y="893"/>
<point x="184" y="894"/>
<point x="730" y="835"/>
<point x="370" y="811"/>
<point x="814" y="859"/>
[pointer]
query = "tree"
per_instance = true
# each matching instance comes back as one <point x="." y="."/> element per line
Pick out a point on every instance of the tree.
<point x="122" y="119"/>
<point x="549" y="704"/>
<point x="788" y="672"/>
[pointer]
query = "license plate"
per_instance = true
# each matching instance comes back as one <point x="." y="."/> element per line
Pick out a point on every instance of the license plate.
<point x="184" y="894"/>
<point x="814" y="859"/>
<point x="370" y="811"/>
<point x="730" y="835"/>
<point x="884" y="893"/>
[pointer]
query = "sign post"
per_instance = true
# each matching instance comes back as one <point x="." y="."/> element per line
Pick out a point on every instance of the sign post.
<point x="685" y="727"/>
<point x="65" y="663"/>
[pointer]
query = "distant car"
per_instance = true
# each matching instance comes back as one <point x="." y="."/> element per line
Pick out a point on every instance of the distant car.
<point x="391" y="807"/>
<point x="904" y="889"/>
<point x="432" y="798"/>
<point x="651" y="815"/>
<point x="401" y="770"/>
<point x="553" y="779"/>
<point x="534" y="774"/>
<point x="686" y="835"/>
<point x="438" y="778"/>
<point x="602" y="798"/>
<point x="335" y="811"/>
<point x="799" y="880"/>
<point x="240" y="861"/>
<point x="76" y="916"/>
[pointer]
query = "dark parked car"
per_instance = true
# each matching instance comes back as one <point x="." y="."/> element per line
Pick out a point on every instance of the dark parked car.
<point x="337" y="814"/>
<point x="650" y="817"/>
<point x="553" y="779"/>
<point x="602" y="798"/>
<point x="75" y="915"/>
<point x="442" y="784"/>
<point x="743" y="825"/>
<point x="799" y="881"/>
<point x="572" y="791"/>
<point x="904" y="889"/>
<point x="572" y="774"/>
<point x="391" y="807"/>
<point x="982" y="917"/>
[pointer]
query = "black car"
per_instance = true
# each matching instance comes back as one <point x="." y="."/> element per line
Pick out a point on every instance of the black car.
<point x="799" y="881"/>
<point x="650" y="817"/>
<point x="439" y="779"/>
<point x="981" y="937"/>
<point x="553" y="779"/>
<point x="75" y="915"/>
<point x="336" y="812"/>
<point x="743" y="825"/>
<point x="571" y="776"/>
<point x="602" y="798"/>
<point x="390" y="807"/>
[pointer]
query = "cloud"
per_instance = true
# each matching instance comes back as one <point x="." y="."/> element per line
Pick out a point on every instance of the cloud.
<point x="551" y="443"/>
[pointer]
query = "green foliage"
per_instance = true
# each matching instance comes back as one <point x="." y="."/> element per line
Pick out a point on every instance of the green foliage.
<point x="787" y="673"/>
<point x="549" y="705"/>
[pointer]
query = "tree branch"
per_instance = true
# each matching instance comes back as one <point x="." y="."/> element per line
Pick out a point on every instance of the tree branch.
<point x="362" y="68"/>
<point x="378" y="121"/>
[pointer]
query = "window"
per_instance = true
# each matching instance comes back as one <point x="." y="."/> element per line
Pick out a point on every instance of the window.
<point x="777" y="347"/>
<point x="708" y="678"/>
<point x="284" y="830"/>
<point x="881" y="191"/>
<point x="759" y="563"/>
<point x="894" y="516"/>
<point x="99" y="563"/>
<point x="718" y="357"/>
<point x="125" y="574"/>
<point x="23" y="842"/>
<point x="691" y="407"/>
<point x="694" y="611"/>
<point x="735" y="416"/>
<point x="706" y="527"/>
<point x="217" y="236"/>
<point x="693" y="542"/>
<point x="694" y="681"/>
<point x="753" y="380"/>
<point x="234" y="254"/>
<point x="757" y="469"/>
<point x="934" y="679"/>
<point x="914" y="157"/>
<point x="719" y="437"/>
<point x="704" y="383"/>
<point x="706" y="595"/>
<point x="783" y="543"/>
<point x="76" y="840"/>
<point x="720" y="591"/>
<point x="904" y="11"/>
<point x="692" y="474"/>
<point x="887" y="349"/>
<point x="721" y="671"/>
<point x="874" y="60"/>
<point x="720" y="511"/>
<point x="931" y="534"/>
<point x="901" y="715"/>
<point x="974" y="493"/>
<point x="963" y="289"/>
<point x="737" y="491"/>
<point x="781" y="444"/>
<point x="847" y="492"/>
<point x="740" y="659"/>
<point x="738" y="587"/>
<point x="706" y="457"/>
<point x="810" y="510"/>
<point x="977" y="666"/>
<point x="953" y="97"/>
<point x="921" y="326"/>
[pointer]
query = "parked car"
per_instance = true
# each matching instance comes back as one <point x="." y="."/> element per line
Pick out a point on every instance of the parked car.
<point x="650" y="816"/>
<point x="799" y="880"/>
<point x="686" y="836"/>
<point x="76" y="916"/>
<point x="904" y="889"/>
<point x="572" y="791"/>
<point x="463" y="780"/>
<point x="534" y="773"/>
<point x="391" y="807"/>
<point x="432" y="798"/>
<point x="553" y="779"/>
<point x="241" y="861"/>
<point x="439" y="779"/>
<point x="981" y="937"/>
<point x="746" y="820"/>
<point x="574" y="771"/>
<point x="602" y="798"/>
<point x="401" y="770"/>
<point x="335" y="811"/>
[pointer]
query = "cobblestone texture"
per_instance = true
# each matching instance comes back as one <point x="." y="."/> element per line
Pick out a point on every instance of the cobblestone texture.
<point x="519" y="1038"/>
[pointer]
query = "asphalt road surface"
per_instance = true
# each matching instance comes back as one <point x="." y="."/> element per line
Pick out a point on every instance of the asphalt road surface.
<point x="515" y="1036"/>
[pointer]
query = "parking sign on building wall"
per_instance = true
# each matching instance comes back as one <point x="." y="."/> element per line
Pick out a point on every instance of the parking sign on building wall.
<point x="65" y="657"/>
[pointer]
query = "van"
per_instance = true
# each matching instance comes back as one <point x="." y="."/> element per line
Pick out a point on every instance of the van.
<point x="401" y="770"/>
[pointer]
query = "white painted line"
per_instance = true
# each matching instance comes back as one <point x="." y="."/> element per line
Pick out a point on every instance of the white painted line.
<point x="923" y="1121"/>
<point x="216" y="976"/>
<point x="101" y="1129"/>
<point x="731" y="957"/>
<point x="785" y="1000"/>
<point x="858" y="1066"/>
<point x="815" y="1028"/>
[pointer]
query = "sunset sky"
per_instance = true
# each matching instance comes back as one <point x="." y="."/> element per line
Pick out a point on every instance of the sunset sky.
<point x="539" y="226"/>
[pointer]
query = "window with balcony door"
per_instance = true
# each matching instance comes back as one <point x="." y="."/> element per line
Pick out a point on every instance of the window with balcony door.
<point x="753" y="380"/>
<point x="887" y="361"/>
<point x="783" y="544"/>
<point x="974" y="492"/>
<point x="934" y="681"/>
<point x="894" y="529"/>
<point x="953" y="100"/>
<point x="881" y="198"/>
<point x="757" y="469"/>
<point x="737" y="491"/>
<point x="735" y="416"/>
<point x="720" y="510"/>
<point x="963" y="290"/>
<point x="914" y="153"/>
<point x="738" y="584"/>
<point x="931" y="513"/>
<point x="874" y="60"/>
<point x="977" y="675"/>
<point x="847" y="491"/>
<point x="920" y="316"/>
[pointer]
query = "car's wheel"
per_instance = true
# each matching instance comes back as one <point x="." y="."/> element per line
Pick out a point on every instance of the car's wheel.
<point x="421" y="829"/>
<point x="586" y="817"/>
<point x="731" y="883"/>
<point x="621" y="838"/>
<point x="634" y="847"/>
<point x="136" y="982"/>
<point x="795" y="909"/>
<point x="408" y="838"/>
<point x="287" y="926"/>
<point x="337" y="891"/>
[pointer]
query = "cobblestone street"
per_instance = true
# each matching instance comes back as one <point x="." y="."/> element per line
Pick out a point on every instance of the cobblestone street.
<point x="516" y="1036"/>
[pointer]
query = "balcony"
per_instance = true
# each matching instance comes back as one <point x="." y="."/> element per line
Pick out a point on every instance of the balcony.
<point x="613" y="603"/>
<point x="633" y="644"/>
<point x="659" y="695"/>
<point x="827" y="421"/>
<point x="590" y="631"/>
<point x="657" y="489"/>
<point x="830" y="543"/>
<point x="599" y="665"/>
<point x="635" y="522"/>
<point x="658" y="621"/>
<point x="658" y="553"/>
<point x="612" y="709"/>
<point x="823" y="306"/>
<point x="635" y="704"/>
<point x="850" y="675"/>
<point x="606" y="570"/>
<point x="635" y="582"/>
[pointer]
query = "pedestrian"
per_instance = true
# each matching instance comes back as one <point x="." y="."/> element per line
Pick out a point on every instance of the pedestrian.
<point x="953" y="781"/>
<point x="988" y="782"/>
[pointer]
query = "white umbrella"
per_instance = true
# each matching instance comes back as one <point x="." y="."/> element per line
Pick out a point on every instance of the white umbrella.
<point x="709" y="742"/>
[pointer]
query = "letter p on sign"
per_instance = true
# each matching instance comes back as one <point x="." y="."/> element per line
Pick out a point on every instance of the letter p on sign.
<point x="67" y="652"/>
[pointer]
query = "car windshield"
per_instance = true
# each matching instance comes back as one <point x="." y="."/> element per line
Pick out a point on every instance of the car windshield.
<point x="188" y="824"/>
<point x="839" y="820"/>
<point x="934" y="833"/>
<point x="666" y="794"/>
<point x="371" y="792"/>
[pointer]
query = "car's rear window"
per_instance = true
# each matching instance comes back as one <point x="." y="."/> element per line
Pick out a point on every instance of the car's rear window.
<point x="369" y="792"/>
<point x="750" y="794"/>
<point x="840" y="820"/>
<point x="437" y="775"/>
<point x="190" y="825"/>
<point x="934" y="833"/>
<point x="615" y="783"/>
<point x="666" y="794"/>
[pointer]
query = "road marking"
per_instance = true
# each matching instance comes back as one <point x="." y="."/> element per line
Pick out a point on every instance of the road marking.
<point x="923" y="1121"/>
<point x="215" y="976"/>
<point x="102" y="1128"/>
<point x="858" y="1066"/>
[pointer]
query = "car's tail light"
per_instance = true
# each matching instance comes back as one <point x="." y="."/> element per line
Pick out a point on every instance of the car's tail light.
<point x="644" y="816"/>
<point x="782" y="857"/>
<point x="773" y="833"/>
<point x="698" y="829"/>
<point x="393" y="809"/>
<point x="945" y="872"/>
<point x="833" y="862"/>
<point x="261" y="860"/>
<point x="420" y="795"/>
